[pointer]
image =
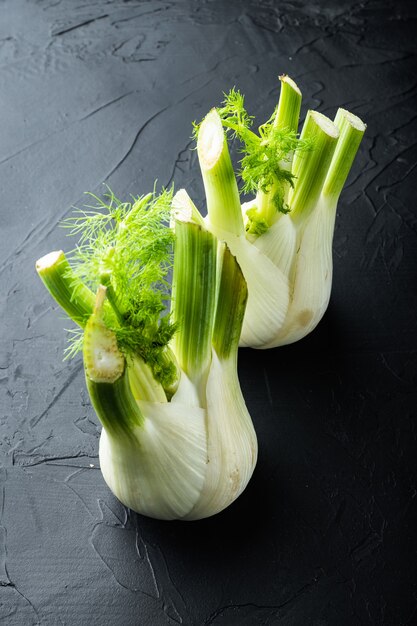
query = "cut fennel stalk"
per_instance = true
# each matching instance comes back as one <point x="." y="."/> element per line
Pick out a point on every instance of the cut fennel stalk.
<point x="282" y="239"/>
<point x="177" y="440"/>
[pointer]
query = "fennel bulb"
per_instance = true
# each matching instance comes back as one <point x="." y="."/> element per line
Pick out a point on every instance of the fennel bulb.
<point x="177" y="440"/>
<point x="282" y="239"/>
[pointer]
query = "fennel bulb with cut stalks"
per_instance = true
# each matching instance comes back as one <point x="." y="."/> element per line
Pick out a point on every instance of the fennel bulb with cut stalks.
<point x="282" y="238"/>
<point x="177" y="440"/>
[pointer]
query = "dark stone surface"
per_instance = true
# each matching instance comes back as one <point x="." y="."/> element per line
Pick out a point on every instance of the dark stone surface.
<point x="325" y="533"/>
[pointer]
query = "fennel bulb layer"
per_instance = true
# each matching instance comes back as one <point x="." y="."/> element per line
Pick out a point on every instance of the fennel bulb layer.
<point x="185" y="462"/>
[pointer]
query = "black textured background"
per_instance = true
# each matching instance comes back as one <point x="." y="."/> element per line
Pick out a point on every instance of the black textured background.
<point x="325" y="534"/>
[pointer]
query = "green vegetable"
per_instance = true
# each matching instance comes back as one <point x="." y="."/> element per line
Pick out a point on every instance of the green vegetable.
<point x="282" y="239"/>
<point x="177" y="440"/>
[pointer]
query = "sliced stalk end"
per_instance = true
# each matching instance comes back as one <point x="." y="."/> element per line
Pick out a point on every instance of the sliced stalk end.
<point x="103" y="361"/>
<point x="106" y="376"/>
<point x="311" y="167"/>
<point x="351" y="129"/>
<point x="210" y="144"/>
<point x="184" y="210"/>
<point x="223" y="202"/>
<point x="289" y="105"/>
<point x="68" y="290"/>
<point x="49" y="260"/>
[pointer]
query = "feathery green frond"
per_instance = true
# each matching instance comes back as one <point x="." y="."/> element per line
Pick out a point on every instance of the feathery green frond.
<point x="75" y="342"/>
<point x="265" y="154"/>
<point x="234" y="115"/>
<point x="128" y="246"/>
